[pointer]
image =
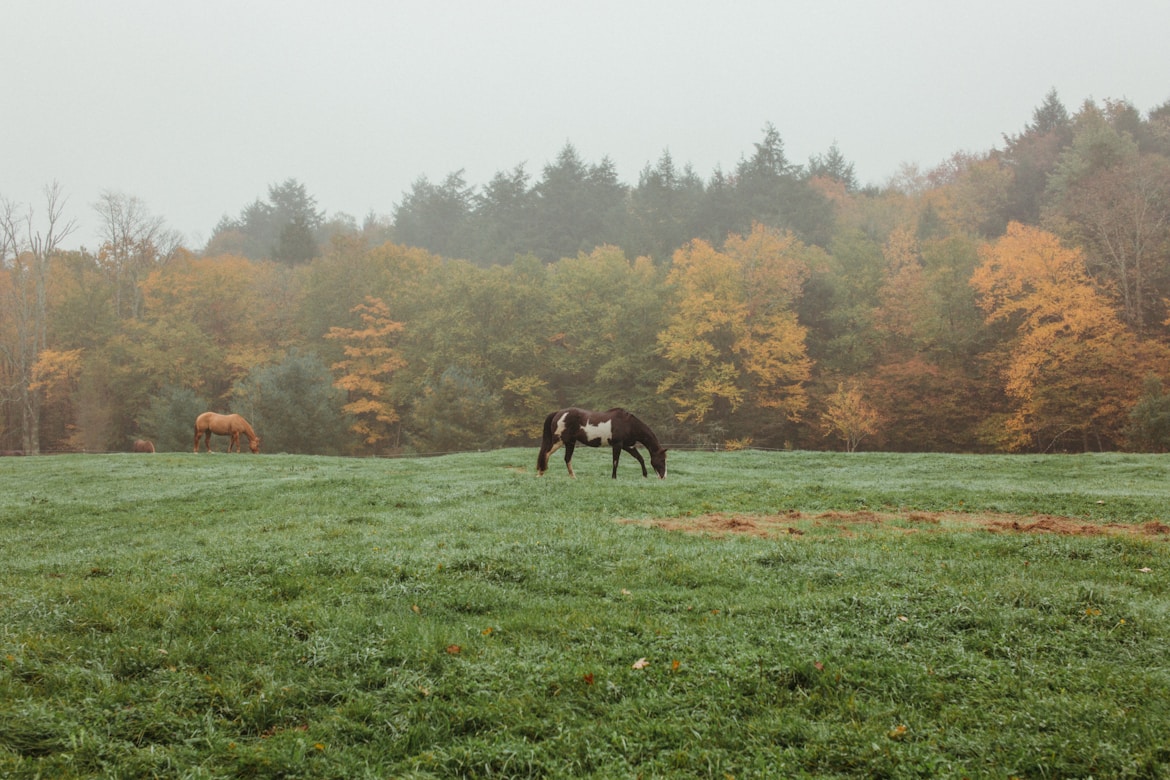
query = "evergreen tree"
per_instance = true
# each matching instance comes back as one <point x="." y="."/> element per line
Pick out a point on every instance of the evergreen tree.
<point x="561" y="203"/>
<point x="833" y="165"/>
<point x="260" y="230"/>
<point x="456" y="412"/>
<point x="169" y="419"/>
<point x="294" y="406"/>
<point x="1032" y="156"/>
<point x="504" y="218"/>
<point x="1149" y="420"/>
<point x="437" y="216"/>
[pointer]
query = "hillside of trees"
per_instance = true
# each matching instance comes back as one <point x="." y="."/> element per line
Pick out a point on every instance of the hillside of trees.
<point x="1012" y="300"/>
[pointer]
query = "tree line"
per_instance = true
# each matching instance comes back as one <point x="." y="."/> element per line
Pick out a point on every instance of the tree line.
<point x="1011" y="300"/>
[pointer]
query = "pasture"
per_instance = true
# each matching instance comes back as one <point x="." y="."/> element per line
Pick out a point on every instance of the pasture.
<point x="756" y="614"/>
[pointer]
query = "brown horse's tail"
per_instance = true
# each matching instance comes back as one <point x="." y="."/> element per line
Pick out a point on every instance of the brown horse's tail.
<point x="546" y="443"/>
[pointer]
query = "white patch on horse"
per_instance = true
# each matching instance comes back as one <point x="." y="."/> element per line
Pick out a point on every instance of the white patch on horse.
<point x="602" y="431"/>
<point x="560" y="425"/>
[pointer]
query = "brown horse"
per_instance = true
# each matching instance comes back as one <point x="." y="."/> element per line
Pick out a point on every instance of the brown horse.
<point x="225" y="425"/>
<point x="142" y="445"/>
<point x="617" y="429"/>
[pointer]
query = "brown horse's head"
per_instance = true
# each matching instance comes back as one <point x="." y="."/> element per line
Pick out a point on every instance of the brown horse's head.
<point x="658" y="461"/>
<point x="254" y="444"/>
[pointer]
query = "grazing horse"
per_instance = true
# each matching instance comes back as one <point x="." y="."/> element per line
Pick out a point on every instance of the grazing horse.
<point x="225" y="425"/>
<point x="142" y="445"/>
<point x="615" y="428"/>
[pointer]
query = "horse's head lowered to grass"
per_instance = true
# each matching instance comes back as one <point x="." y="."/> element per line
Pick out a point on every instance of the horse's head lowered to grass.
<point x="225" y="425"/>
<point x="615" y="428"/>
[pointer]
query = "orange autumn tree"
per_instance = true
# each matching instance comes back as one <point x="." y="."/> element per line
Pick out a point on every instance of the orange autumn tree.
<point x="1072" y="369"/>
<point x="370" y="361"/>
<point x="732" y="341"/>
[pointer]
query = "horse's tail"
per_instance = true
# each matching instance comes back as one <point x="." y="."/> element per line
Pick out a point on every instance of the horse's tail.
<point x="546" y="443"/>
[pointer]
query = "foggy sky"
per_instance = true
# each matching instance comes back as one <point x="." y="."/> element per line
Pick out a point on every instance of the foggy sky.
<point x="196" y="108"/>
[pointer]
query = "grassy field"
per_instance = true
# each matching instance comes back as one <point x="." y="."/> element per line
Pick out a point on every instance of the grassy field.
<point x="755" y="615"/>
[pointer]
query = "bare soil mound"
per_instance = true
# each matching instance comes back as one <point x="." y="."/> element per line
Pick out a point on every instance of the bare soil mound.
<point x="848" y="523"/>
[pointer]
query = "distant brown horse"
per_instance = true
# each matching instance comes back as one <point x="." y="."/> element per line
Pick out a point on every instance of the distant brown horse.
<point x="617" y="429"/>
<point x="225" y="425"/>
<point x="142" y="445"/>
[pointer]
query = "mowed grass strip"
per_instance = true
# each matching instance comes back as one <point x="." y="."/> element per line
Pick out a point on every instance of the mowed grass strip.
<point x="756" y="614"/>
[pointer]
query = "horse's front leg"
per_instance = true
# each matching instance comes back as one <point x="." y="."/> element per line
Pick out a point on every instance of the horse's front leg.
<point x="234" y="444"/>
<point x="617" y="454"/>
<point x="633" y="450"/>
<point x="569" y="445"/>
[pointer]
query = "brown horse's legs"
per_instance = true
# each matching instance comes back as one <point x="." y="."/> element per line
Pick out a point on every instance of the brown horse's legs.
<point x="633" y="450"/>
<point x="569" y="457"/>
<point x="234" y="444"/>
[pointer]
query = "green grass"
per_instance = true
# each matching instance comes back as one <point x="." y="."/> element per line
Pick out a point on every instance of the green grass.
<point x="178" y="615"/>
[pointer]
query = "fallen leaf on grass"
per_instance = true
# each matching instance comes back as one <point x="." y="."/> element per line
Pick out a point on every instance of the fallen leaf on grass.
<point x="903" y="618"/>
<point x="1145" y="570"/>
<point x="588" y="678"/>
<point x="820" y="667"/>
<point x="898" y="731"/>
<point x="641" y="663"/>
<point x="454" y="649"/>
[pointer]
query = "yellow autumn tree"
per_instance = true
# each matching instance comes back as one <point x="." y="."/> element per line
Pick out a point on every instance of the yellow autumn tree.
<point x="1073" y="369"/>
<point x="54" y="377"/>
<point x="732" y="340"/>
<point x="849" y="417"/>
<point x="371" y="359"/>
<point x="904" y="292"/>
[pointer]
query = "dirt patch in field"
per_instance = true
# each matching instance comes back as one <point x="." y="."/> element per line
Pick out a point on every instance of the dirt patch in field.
<point x="794" y="523"/>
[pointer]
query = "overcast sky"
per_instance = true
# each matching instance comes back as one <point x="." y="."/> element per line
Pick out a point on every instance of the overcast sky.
<point x="197" y="107"/>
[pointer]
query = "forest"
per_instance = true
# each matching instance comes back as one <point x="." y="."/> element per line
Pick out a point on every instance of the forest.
<point x="1012" y="300"/>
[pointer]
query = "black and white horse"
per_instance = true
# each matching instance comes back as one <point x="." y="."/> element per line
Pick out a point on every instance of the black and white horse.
<point x="615" y="428"/>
